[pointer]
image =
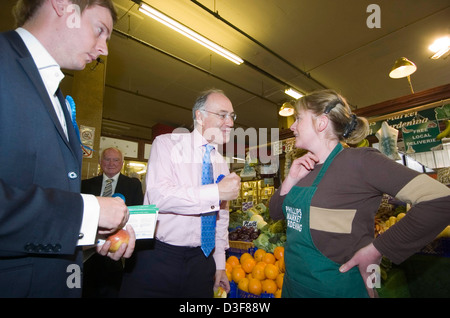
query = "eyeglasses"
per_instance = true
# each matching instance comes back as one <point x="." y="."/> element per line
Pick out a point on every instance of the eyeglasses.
<point x="222" y="116"/>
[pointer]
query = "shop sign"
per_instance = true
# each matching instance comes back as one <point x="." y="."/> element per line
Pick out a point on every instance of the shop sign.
<point x="421" y="137"/>
<point x="398" y="121"/>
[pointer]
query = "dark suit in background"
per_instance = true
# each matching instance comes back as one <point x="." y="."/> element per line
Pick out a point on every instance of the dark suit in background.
<point x="131" y="188"/>
<point x="102" y="276"/>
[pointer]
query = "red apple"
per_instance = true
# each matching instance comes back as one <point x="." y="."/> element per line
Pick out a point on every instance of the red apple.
<point x="117" y="239"/>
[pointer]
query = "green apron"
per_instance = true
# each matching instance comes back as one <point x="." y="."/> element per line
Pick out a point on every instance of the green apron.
<point x="308" y="272"/>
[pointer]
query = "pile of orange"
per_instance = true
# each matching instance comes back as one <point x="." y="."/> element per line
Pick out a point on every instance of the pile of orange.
<point x="262" y="272"/>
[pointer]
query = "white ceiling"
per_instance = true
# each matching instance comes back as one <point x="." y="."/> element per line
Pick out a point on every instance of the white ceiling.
<point x="155" y="74"/>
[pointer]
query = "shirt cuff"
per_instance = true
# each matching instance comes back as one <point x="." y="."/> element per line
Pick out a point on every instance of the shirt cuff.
<point x="209" y="198"/>
<point x="89" y="224"/>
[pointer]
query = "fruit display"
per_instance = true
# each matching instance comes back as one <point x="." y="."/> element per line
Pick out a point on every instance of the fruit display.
<point x="244" y="233"/>
<point x="267" y="234"/>
<point x="257" y="275"/>
<point x="272" y="236"/>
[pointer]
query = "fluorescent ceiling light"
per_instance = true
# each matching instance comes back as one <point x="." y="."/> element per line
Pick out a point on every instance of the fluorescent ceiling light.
<point x="293" y="93"/>
<point x="160" y="17"/>
<point x="440" y="47"/>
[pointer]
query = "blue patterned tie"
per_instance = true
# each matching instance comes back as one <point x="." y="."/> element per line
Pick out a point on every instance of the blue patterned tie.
<point x="208" y="219"/>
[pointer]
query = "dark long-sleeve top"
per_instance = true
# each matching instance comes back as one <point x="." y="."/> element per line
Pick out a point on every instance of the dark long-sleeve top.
<point x="347" y="199"/>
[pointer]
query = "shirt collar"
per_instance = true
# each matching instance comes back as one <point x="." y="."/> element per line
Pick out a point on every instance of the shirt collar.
<point x="46" y="64"/>
<point x="200" y="141"/>
<point x="114" y="178"/>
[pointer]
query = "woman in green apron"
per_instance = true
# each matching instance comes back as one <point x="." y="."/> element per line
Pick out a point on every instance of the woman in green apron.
<point x="329" y="200"/>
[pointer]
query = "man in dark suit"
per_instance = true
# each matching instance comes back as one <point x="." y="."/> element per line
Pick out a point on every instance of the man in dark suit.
<point x="111" y="162"/>
<point x="103" y="276"/>
<point x="44" y="219"/>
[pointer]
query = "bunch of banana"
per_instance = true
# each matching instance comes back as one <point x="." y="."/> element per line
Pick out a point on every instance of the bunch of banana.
<point x="445" y="132"/>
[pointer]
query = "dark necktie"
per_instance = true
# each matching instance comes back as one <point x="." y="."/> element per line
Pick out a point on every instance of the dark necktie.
<point x="208" y="219"/>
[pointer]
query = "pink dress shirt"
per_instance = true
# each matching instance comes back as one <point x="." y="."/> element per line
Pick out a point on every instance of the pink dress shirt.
<point x="173" y="184"/>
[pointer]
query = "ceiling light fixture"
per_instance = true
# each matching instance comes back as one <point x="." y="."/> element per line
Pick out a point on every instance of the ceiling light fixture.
<point x="162" y="18"/>
<point x="403" y="68"/>
<point x="293" y="93"/>
<point x="286" y="110"/>
<point x="440" y="47"/>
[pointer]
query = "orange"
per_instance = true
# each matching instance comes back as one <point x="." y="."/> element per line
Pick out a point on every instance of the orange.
<point x="278" y="293"/>
<point x="249" y="276"/>
<point x="269" y="286"/>
<point x="243" y="284"/>
<point x="278" y="252"/>
<point x="228" y="267"/>
<point x="254" y="286"/>
<point x="259" y="254"/>
<point x="248" y="265"/>
<point x="237" y="274"/>
<point x="244" y="257"/>
<point x="271" y="271"/>
<point x="268" y="258"/>
<point x="258" y="272"/>
<point x="262" y="264"/>
<point x="233" y="261"/>
<point x="279" y="280"/>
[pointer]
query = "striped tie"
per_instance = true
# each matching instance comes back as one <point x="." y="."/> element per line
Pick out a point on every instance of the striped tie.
<point x="108" y="188"/>
<point x="208" y="219"/>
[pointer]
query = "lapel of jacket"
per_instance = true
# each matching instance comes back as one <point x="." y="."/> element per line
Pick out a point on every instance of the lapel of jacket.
<point x="74" y="141"/>
<point x="27" y="63"/>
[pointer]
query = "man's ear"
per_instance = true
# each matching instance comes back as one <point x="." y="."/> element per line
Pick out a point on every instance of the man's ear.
<point x="59" y="6"/>
<point x="199" y="117"/>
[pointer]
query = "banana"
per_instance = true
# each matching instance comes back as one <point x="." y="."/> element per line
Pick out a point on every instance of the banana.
<point x="445" y="132"/>
<point x="363" y="143"/>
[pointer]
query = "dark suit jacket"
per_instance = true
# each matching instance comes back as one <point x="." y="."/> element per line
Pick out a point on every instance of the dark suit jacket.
<point x="40" y="205"/>
<point x="130" y="188"/>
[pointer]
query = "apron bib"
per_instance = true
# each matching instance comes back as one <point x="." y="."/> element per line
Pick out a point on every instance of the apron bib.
<point x="308" y="272"/>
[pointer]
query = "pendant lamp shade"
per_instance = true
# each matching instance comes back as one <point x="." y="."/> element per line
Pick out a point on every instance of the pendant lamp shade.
<point x="402" y="68"/>
<point x="286" y="110"/>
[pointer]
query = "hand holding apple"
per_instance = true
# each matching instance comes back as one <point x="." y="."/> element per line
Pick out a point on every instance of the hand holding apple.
<point x="124" y="250"/>
<point x="117" y="239"/>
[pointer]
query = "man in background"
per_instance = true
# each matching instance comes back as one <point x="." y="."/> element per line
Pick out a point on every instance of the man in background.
<point x="103" y="276"/>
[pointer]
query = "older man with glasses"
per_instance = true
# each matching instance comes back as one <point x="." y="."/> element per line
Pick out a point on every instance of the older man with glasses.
<point x="187" y="258"/>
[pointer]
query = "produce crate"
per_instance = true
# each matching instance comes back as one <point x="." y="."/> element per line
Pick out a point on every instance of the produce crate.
<point x="237" y="248"/>
<point x="439" y="247"/>
<point x="237" y="293"/>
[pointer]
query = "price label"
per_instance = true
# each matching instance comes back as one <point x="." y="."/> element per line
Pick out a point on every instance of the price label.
<point x="247" y="205"/>
<point x="249" y="224"/>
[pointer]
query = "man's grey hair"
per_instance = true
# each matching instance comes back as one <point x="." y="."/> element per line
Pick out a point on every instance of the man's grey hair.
<point x="200" y="102"/>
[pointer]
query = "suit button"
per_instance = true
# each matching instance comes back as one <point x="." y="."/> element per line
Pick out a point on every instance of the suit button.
<point x="29" y="247"/>
<point x="57" y="248"/>
<point x="72" y="175"/>
<point x="80" y="236"/>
